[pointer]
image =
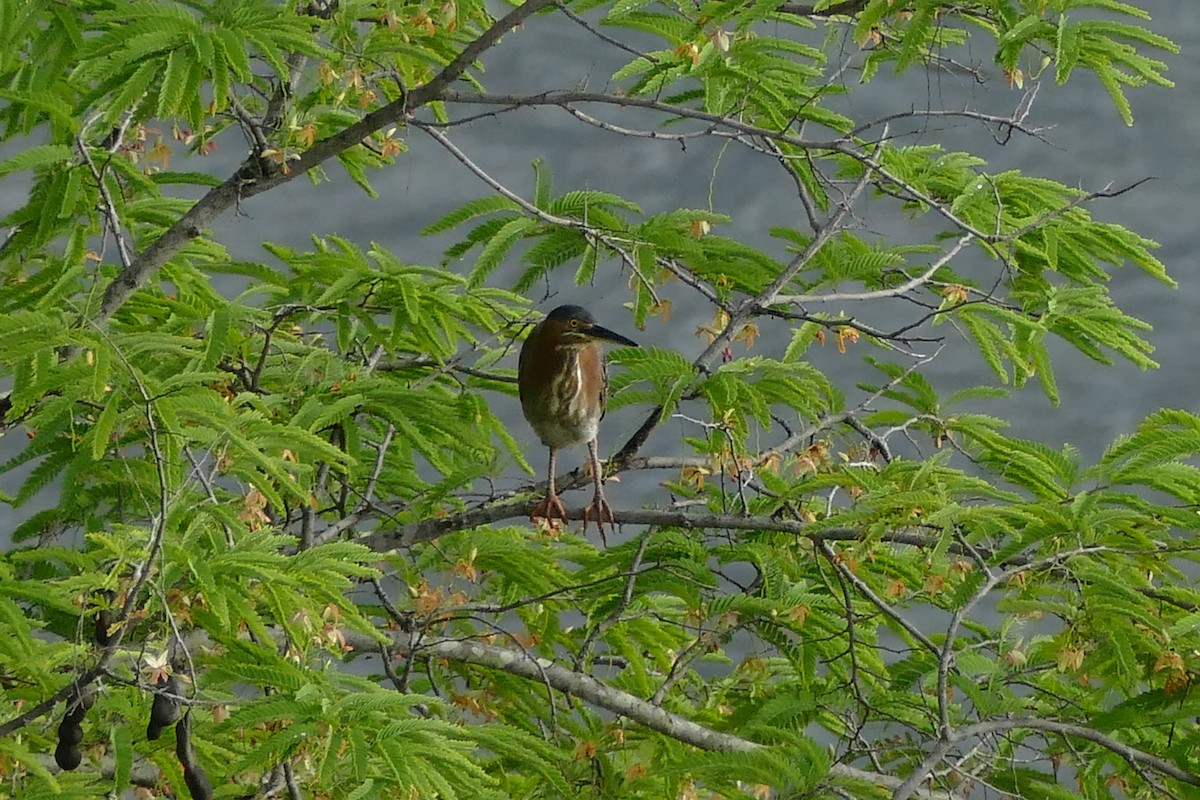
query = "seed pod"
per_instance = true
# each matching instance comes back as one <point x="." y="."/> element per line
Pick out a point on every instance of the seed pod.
<point x="198" y="783"/>
<point x="164" y="710"/>
<point x="67" y="755"/>
<point x="193" y="774"/>
<point x="104" y="620"/>
<point x="78" y="707"/>
<point x="70" y="731"/>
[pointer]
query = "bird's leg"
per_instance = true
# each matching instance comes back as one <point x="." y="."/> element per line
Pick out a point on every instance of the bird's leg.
<point x="599" y="505"/>
<point x="551" y="506"/>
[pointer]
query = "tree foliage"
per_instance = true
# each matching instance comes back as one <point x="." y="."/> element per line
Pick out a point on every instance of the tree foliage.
<point x="273" y="528"/>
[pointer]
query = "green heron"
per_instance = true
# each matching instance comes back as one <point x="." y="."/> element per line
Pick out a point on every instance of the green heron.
<point x="564" y="388"/>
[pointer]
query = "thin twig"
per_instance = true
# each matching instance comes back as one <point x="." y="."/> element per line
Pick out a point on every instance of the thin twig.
<point x="111" y="215"/>
<point x="626" y="598"/>
<point x="877" y="601"/>
<point x="880" y="294"/>
<point x="602" y="36"/>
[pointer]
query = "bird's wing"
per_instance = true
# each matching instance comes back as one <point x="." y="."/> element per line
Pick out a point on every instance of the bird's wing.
<point x="603" y="383"/>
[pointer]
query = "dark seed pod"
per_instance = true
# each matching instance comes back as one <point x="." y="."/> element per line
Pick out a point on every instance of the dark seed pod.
<point x="183" y="742"/>
<point x="78" y="707"/>
<point x="104" y="620"/>
<point x="67" y="755"/>
<point x="198" y="783"/>
<point x="193" y="774"/>
<point x="164" y="710"/>
<point x="70" y="731"/>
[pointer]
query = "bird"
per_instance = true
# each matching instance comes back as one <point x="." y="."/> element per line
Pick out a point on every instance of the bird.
<point x="563" y="385"/>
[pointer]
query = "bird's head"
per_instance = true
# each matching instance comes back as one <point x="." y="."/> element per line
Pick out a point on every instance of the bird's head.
<point x="574" y="327"/>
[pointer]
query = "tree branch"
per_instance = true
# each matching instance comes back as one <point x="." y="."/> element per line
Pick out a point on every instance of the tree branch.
<point x="590" y="690"/>
<point x="430" y="529"/>
<point x="109" y="208"/>
<point x="1131" y="754"/>
<point x="565" y="98"/>
<point x="879" y="294"/>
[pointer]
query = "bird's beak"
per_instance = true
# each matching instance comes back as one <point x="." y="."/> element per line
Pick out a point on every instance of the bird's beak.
<point x="605" y="335"/>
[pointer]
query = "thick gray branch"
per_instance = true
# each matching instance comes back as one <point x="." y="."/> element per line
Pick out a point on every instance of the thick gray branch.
<point x="587" y="688"/>
<point x="429" y="529"/>
<point x="643" y="712"/>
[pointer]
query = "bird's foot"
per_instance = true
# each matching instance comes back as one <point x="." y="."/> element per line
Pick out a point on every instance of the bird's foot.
<point x="603" y="512"/>
<point x="550" y="509"/>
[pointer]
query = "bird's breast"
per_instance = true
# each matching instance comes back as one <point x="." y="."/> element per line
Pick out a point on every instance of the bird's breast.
<point x="564" y="403"/>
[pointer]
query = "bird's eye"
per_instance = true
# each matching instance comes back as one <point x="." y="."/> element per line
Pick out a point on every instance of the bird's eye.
<point x="574" y="323"/>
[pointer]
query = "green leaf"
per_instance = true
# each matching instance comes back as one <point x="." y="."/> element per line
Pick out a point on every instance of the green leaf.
<point x="990" y="340"/>
<point x="218" y="337"/>
<point x="915" y="43"/>
<point x="236" y="52"/>
<point x="121" y="743"/>
<point x="587" y="266"/>
<point x="174" y="83"/>
<point x="543" y="178"/>
<point x="44" y="155"/>
<point x="1067" y="49"/>
<point x="471" y="210"/>
<point x="1031" y="26"/>
<point x="497" y="248"/>
<point x="1116" y="93"/>
<point x="102" y="430"/>
<point x="133" y="90"/>
<point x="623" y="8"/>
